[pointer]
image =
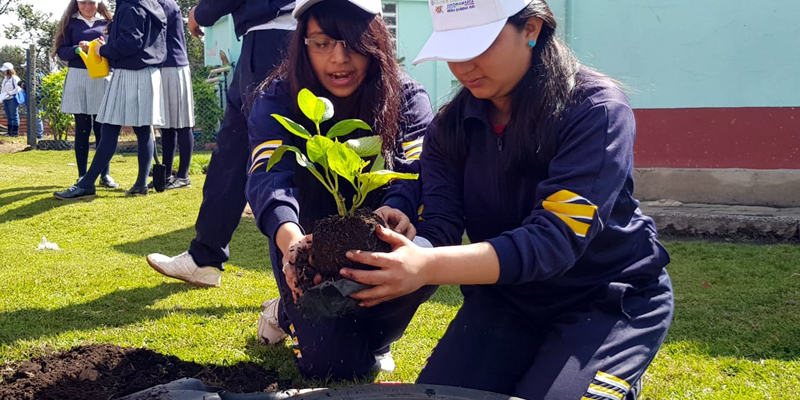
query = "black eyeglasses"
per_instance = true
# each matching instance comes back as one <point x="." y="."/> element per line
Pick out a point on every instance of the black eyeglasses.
<point x="323" y="46"/>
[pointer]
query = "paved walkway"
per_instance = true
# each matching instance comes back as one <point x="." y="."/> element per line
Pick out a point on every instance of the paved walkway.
<point x="722" y="221"/>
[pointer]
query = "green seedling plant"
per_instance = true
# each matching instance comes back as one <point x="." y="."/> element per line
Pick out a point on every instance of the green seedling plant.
<point x="328" y="159"/>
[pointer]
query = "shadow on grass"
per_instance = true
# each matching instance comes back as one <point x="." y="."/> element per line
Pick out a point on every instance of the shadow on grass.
<point x="119" y="308"/>
<point x="28" y="189"/>
<point x="29" y="210"/>
<point x="248" y="247"/>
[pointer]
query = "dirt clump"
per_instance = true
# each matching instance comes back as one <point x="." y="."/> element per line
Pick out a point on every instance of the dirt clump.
<point x="103" y="372"/>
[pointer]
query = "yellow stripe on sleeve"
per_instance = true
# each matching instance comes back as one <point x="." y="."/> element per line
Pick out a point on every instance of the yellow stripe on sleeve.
<point x="406" y="145"/>
<point x="254" y="168"/>
<point x="602" y="376"/>
<point x="580" y="228"/>
<point x="271" y="143"/>
<point x="604" y="391"/>
<point x="571" y="209"/>
<point x="563" y="196"/>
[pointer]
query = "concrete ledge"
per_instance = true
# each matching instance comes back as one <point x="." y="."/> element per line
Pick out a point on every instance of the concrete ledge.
<point x="772" y="188"/>
<point x="674" y="218"/>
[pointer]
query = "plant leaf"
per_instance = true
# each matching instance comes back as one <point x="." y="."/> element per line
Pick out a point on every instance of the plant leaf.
<point x="311" y="106"/>
<point x="365" y="147"/>
<point x="379" y="164"/>
<point x="346" y="127"/>
<point x="345" y="162"/>
<point x="373" y="180"/>
<point x="292" y="126"/>
<point x="278" y="154"/>
<point x="317" y="149"/>
<point x="328" y="109"/>
<point x="301" y="160"/>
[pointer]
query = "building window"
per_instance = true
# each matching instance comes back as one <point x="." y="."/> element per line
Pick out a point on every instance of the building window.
<point x="390" y="17"/>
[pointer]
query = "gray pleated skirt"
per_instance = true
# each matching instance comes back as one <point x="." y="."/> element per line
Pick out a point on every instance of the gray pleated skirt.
<point x="133" y="98"/>
<point x="176" y="82"/>
<point x="82" y="95"/>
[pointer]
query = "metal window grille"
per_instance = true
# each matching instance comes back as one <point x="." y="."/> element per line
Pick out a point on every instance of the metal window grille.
<point x="390" y="16"/>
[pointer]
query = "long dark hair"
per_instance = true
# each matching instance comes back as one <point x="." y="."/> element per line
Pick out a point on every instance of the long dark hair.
<point x="378" y="100"/>
<point x="537" y="102"/>
<point x="71" y="9"/>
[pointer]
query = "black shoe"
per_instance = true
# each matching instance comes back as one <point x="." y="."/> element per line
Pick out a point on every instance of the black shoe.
<point x="108" y="182"/>
<point x="75" y="192"/>
<point x="177" y="183"/>
<point x="136" y="191"/>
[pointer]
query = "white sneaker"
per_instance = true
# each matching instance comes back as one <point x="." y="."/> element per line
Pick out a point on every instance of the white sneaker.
<point x="184" y="268"/>
<point x="384" y="362"/>
<point x="269" y="330"/>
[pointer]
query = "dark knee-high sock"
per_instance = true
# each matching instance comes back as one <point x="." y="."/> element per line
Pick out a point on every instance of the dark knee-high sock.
<point x="186" y="145"/>
<point x="83" y="126"/>
<point x="105" y="150"/>
<point x="169" y="139"/>
<point x="97" y="128"/>
<point x="145" y="141"/>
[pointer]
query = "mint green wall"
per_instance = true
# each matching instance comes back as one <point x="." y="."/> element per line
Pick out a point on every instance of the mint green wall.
<point x="221" y="36"/>
<point x="670" y="53"/>
<point x="694" y="53"/>
<point x="414" y="28"/>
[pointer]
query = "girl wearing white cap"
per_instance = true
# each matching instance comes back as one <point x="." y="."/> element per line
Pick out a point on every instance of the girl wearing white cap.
<point x="566" y="295"/>
<point x="82" y="22"/>
<point x="342" y="50"/>
<point x="8" y="92"/>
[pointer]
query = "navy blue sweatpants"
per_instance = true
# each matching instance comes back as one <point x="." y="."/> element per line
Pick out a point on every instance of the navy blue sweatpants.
<point x="224" y="189"/>
<point x="595" y="351"/>
<point x="345" y="347"/>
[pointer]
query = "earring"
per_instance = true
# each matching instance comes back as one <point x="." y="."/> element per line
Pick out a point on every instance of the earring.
<point x="532" y="43"/>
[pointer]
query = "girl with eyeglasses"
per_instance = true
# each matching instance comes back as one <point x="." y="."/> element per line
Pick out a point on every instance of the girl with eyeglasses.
<point x="341" y="50"/>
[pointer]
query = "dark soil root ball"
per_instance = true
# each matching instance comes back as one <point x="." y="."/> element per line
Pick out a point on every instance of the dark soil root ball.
<point x="335" y="235"/>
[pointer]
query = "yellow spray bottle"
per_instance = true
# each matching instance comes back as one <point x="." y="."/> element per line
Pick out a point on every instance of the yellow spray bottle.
<point x="96" y="65"/>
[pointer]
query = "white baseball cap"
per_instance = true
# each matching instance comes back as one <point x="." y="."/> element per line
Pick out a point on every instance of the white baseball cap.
<point x="464" y="29"/>
<point x="6" y="66"/>
<point x="370" y="6"/>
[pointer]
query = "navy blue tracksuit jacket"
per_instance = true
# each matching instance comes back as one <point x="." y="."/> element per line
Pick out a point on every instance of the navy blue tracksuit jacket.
<point x="583" y="296"/>
<point x="137" y="38"/>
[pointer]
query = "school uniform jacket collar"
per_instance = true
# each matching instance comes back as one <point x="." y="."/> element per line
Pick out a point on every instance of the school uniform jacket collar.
<point x="90" y="22"/>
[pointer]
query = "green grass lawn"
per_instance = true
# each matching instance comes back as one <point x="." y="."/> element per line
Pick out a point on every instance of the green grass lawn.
<point x="736" y="333"/>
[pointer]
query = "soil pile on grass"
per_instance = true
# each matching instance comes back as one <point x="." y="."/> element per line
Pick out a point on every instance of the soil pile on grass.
<point x="105" y="372"/>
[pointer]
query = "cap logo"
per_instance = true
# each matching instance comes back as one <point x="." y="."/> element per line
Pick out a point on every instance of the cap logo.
<point x="452" y="6"/>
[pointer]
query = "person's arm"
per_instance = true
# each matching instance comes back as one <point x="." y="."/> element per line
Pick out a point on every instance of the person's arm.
<point x="130" y="40"/>
<point x="208" y="12"/>
<point x="272" y="195"/>
<point x="66" y="50"/>
<point x="16" y="87"/>
<point x="586" y="176"/>
<point x="417" y="114"/>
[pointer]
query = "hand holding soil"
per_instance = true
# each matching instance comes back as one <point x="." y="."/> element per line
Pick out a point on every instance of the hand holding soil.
<point x="400" y="272"/>
<point x="297" y="252"/>
<point x="397" y="221"/>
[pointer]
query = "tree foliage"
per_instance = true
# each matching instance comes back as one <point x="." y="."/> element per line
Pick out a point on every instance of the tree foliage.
<point x="34" y="28"/>
<point x="13" y="54"/>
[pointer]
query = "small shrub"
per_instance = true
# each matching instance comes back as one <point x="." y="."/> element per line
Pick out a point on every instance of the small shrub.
<point x="50" y="103"/>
